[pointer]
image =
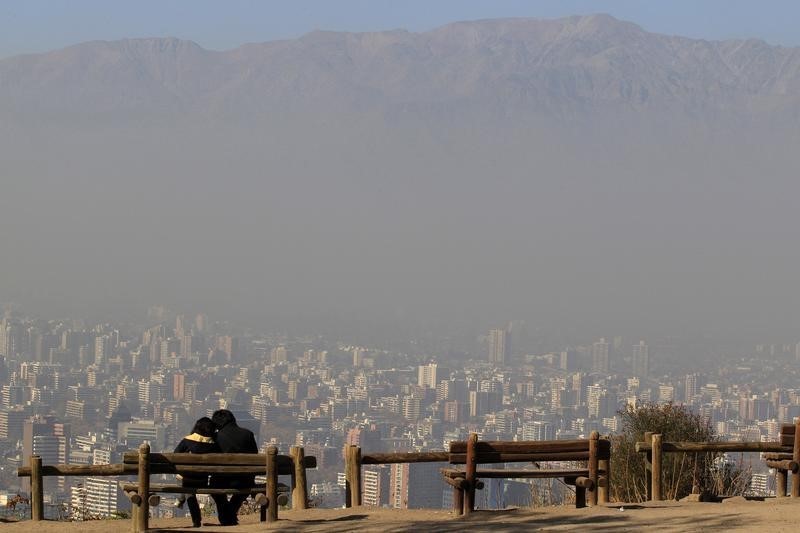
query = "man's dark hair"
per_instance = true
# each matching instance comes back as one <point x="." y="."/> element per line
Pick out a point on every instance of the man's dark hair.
<point x="222" y="418"/>
<point x="205" y="427"/>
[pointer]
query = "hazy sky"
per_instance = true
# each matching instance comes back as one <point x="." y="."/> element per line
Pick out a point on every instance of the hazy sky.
<point x="36" y="25"/>
<point x="644" y="187"/>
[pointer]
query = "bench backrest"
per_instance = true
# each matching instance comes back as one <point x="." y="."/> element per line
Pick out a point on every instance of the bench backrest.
<point x="216" y="463"/>
<point x="787" y="434"/>
<point x="525" y="451"/>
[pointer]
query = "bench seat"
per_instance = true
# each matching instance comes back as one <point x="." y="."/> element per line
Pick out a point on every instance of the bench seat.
<point x="499" y="473"/>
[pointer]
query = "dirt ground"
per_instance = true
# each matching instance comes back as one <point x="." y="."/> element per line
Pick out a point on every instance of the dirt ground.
<point x="732" y="515"/>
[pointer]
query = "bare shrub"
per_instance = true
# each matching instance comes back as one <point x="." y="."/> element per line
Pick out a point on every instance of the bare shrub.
<point x="681" y="471"/>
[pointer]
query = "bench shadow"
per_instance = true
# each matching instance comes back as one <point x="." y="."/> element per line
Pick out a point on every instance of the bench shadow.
<point x="514" y="520"/>
<point x="282" y="525"/>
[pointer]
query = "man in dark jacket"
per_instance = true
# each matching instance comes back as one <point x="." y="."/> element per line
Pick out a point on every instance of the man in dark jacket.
<point x="232" y="439"/>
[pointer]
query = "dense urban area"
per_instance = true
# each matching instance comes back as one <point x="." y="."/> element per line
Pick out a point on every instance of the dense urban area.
<point x="81" y="393"/>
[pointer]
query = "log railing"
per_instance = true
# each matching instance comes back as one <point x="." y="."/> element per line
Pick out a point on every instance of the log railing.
<point x="354" y="459"/>
<point x="783" y="455"/>
<point x="591" y="484"/>
<point x="143" y="464"/>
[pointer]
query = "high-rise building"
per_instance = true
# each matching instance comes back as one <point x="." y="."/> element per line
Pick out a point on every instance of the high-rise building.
<point x="431" y="374"/>
<point x="375" y="484"/>
<point x="415" y="486"/>
<point x="557" y="386"/>
<point x="412" y="408"/>
<point x="601" y="362"/>
<point x="569" y="360"/>
<point x="499" y="346"/>
<point x="538" y="430"/>
<point x="641" y="360"/>
<point x="358" y="356"/>
<point x="97" y="497"/>
<point x="692" y="387"/>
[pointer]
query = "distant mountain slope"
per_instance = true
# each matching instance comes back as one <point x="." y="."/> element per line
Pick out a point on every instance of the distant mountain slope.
<point x="544" y="65"/>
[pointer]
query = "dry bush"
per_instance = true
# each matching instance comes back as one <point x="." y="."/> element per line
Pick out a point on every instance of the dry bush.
<point x="680" y="471"/>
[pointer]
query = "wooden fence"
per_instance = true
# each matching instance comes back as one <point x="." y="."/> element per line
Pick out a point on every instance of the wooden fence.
<point x="142" y="464"/>
<point x="595" y="451"/>
<point x="653" y="448"/>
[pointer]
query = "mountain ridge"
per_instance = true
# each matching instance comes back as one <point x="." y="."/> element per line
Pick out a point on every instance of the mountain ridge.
<point x="537" y="64"/>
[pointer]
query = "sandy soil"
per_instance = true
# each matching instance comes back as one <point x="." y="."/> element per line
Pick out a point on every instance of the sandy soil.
<point x="732" y="515"/>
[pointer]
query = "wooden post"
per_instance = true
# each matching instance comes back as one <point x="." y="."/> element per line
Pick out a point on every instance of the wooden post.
<point x="142" y="514"/>
<point x="648" y="468"/>
<point x="591" y="493"/>
<point x="471" y="471"/>
<point x="458" y="501"/>
<point x="656" y="466"/>
<point x="37" y="489"/>
<point x="272" y="483"/>
<point x="348" y="470"/>
<point x="580" y="497"/>
<point x="356" y="474"/>
<point x="780" y="483"/>
<point x="796" y="458"/>
<point x="299" y="487"/>
<point x="604" y="488"/>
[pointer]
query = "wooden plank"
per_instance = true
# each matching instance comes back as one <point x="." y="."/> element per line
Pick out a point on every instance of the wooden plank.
<point x="772" y="456"/>
<point x="258" y="488"/>
<point x="222" y="470"/>
<point x="493" y="458"/>
<point x="786" y="464"/>
<point x="162" y="468"/>
<point x="404" y="457"/>
<point x="216" y="459"/>
<point x="511" y="474"/>
<point x="458" y="482"/>
<point x="719" y="447"/>
<point x="178" y="489"/>
<point x="528" y="446"/>
<point x="81" y="470"/>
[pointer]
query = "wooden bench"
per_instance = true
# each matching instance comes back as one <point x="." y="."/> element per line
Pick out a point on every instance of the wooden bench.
<point x="594" y="478"/>
<point x="786" y="461"/>
<point x="143" y="495"/>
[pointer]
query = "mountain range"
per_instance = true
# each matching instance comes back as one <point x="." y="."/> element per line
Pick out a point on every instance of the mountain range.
<point x="551" y="66"/>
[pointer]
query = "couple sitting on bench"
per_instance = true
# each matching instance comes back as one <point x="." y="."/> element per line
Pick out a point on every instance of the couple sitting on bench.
<point x="220" y="433"/>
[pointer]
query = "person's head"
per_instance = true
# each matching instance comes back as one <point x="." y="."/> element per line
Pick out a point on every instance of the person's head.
<point x="205" y="427"/>
<point x="222" y="418"/>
